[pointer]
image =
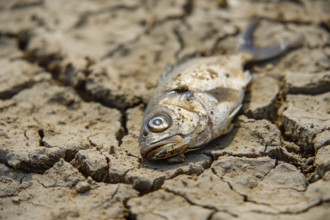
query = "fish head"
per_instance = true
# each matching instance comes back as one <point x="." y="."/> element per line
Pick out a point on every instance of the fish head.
<point x="170" y="127"/>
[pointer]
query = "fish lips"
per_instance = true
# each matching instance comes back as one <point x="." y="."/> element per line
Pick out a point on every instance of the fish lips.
<point x="165" y="148"/>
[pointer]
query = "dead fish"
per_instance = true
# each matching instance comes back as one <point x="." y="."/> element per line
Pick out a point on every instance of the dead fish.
<point x="196" y="101"/>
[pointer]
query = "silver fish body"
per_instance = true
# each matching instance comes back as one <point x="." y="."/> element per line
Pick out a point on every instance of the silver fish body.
<point x="197" y="100"/>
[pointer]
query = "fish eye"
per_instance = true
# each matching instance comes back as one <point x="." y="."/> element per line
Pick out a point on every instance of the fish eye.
<point x="158" y="124"/>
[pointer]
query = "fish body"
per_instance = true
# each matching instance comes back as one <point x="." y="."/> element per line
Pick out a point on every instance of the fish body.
<point x="196" y="101"/>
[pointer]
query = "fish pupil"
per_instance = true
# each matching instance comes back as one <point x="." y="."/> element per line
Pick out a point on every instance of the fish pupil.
<point x="157" y="122"/>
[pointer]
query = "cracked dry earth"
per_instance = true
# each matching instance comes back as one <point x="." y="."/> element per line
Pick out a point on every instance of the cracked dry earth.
<point x="76" y="76"/>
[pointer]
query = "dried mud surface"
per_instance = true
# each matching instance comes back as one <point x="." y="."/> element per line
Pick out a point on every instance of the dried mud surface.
<point x="75" y="78"/>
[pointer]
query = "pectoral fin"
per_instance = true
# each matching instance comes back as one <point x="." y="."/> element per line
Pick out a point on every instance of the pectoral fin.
<point x="225" y="94"/>
<point x="234" y="113"/>
<point x="230" y="126"/>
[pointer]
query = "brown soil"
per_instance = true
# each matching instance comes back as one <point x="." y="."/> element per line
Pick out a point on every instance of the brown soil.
<point x="75" y="78"/>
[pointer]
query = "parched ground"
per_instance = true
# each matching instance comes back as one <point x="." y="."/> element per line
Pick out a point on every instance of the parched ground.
<point x="75" y="77"/>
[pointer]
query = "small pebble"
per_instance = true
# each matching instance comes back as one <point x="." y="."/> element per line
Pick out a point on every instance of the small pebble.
<point x="83" y="186"/>
<point x="112" y="149"/>
<point x="90" y="180"/>
<point x="16" y="200"/>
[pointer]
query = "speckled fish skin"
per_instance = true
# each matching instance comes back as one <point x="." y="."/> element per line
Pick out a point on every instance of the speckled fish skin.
<point x="197" y="100"/>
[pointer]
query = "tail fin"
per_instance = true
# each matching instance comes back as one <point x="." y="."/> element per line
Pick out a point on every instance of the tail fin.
<point x="246" y="44"/>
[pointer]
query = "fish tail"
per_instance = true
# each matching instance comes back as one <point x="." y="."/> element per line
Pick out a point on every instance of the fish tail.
<point x="246" y="45"/>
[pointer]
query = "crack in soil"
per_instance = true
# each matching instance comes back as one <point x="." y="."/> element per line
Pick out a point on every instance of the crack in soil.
<point x="188" y="8"/>
<point x="281" y="154"/>
<point x="120" y="103"/>
<point x="41" y="134"/>
<point x="121" y="48"/>
<point x="8" y="94"/>
<point x="179" y="38"/>
<point x="28" y="4"/>
<point x="246" y="199"/>
<point x="123" y="131"/>
<point x="43" y="62"/>
<point x="210" y="217"/>
<point x="84" y="18"/>
<point x="214" y="209"/>
<point x="239" y="155"/>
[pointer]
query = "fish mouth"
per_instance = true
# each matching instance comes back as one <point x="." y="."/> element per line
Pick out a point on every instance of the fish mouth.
<point x="165" y="148"/>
